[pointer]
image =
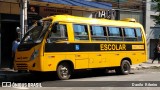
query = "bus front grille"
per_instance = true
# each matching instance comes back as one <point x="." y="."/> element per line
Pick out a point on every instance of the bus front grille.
<point x="22" y="66"/>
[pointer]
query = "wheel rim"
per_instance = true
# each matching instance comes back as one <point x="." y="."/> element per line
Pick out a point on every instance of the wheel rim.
<point x="126" y="67"/>
<point x="64" y="71"/>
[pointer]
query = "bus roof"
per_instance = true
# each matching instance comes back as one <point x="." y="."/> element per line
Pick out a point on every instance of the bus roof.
<point x="128" y="22"/>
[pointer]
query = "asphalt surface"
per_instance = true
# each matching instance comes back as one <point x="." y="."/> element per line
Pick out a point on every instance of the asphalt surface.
<point x="90" y="81"/>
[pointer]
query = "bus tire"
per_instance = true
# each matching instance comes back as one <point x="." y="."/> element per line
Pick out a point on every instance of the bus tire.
<point x="22" y="71"/>
<point x="64" y="71"/>
<point x="124" y="69"/>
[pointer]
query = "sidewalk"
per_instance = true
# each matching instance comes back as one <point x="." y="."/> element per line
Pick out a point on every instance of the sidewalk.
<point x="146" y="65"/>
<point x="6" y="72"/>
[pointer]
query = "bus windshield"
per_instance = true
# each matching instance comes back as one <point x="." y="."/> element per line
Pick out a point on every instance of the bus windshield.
<point x="36" y="33"/>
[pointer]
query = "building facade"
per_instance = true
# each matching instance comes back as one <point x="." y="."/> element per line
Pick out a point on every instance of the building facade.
<point x="143" y="11"/>
<point x="128" y="9"/>
<point x="10" y="17"/>
<point x="152" y="29"/>
<point x="9" y="20"/>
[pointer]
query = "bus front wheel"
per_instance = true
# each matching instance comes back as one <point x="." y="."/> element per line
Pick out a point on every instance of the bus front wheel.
<point x="63" y="71"/>
<point x="124" y="69"/>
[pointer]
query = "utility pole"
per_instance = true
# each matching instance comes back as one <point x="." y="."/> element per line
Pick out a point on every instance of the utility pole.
<point x="23" y="17"/>
<point x="118" y="10"/>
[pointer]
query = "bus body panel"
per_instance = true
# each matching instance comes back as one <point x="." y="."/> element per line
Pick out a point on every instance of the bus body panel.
<point x="23" y="62"/>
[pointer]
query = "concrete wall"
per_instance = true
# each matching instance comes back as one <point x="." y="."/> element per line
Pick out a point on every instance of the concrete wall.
<point x="148" y="25"/>
<point x="132" y="14"/>
<point x="9" y="8"/>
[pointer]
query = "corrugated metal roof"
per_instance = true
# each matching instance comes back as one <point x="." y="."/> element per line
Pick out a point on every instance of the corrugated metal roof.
<point x="82" y="3"/>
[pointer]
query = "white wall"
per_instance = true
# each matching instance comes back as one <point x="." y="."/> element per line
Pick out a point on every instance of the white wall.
<point x="131" y="14"/>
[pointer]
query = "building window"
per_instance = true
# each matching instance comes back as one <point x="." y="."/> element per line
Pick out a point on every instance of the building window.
<point x="80" y="32"/>
<point x="98" y="33"/>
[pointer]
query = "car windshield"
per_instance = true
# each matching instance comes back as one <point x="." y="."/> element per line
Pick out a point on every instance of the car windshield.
<point x="36" y="33"/>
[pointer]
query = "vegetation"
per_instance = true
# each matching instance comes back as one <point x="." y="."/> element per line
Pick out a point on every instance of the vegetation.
<point x="157" y="7"/>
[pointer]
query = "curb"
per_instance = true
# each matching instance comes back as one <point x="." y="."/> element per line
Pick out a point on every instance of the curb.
<point x="2" y="76"/>
<point x="7" y="74"/>
<point x="140" y="67"/>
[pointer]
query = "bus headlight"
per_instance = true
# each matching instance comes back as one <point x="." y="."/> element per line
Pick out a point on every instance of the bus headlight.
<point x="34" y="54"/>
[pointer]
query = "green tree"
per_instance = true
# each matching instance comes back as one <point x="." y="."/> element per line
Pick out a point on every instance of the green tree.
<point x="157" y="7"/>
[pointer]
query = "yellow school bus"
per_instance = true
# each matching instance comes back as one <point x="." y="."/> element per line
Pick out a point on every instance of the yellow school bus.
<point x="65" y="43"/>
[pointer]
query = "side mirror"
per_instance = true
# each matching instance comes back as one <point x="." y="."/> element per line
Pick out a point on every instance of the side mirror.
<point x="40" y="23"/>
<point x="54" y="27"/>
<point x="17" y="29"/>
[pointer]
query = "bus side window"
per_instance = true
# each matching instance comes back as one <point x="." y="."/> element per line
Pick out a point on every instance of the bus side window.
<point x="138" y="34"/>
<point x="59" y="34"/>
<point x="80" y="32"/>
<point x="115" y="34"/>
<point x="98" y="33"/>
<point x="129" y="34"/>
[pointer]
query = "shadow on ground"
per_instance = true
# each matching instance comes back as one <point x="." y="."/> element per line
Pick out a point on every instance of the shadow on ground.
<point x="51" y="76"/>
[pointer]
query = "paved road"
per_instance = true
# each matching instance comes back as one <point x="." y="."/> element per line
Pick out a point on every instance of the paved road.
<point x="88" y="81"/>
